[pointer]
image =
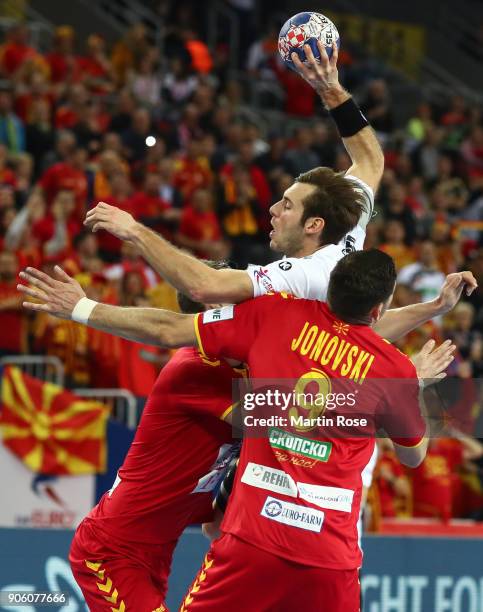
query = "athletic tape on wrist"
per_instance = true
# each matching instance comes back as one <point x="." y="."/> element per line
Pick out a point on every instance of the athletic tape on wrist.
<point x="82" y="310"/>
<point x="348" y="118"/>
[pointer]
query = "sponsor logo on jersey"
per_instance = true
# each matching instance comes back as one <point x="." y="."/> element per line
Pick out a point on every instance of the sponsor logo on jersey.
<point x="332" y="498"/>
<point x="299" y="445"/>
<point x="218" y="314"/>
<point x="292" y="514"/>
<point x="262" y="277"/>
<point x="268" y="478"/>
<point x="349" y="244"/>
<point x="285" y="266"/>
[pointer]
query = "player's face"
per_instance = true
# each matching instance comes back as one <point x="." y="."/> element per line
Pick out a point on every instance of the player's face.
<point x="288" y="235"/>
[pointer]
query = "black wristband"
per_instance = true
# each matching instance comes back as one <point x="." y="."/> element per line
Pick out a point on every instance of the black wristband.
<point x="348" y="118"/>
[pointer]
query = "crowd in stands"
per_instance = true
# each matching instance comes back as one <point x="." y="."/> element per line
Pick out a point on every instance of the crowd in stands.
<point x="171" y="137"/>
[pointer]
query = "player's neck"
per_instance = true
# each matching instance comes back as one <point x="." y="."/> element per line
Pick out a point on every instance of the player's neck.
<point x="307" y="250"/>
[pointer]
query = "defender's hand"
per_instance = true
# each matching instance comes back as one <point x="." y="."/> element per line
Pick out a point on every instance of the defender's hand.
<point x="56" y="297"/>
<point x="431" y="362"/>
<point x="453" y="288"/>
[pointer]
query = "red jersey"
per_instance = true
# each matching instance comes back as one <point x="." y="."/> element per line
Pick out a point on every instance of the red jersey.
<point x="64" y="176"/>
<point x="298" y="496"/>
<point x="12" y="320"/>
<point x="177" y="456"/>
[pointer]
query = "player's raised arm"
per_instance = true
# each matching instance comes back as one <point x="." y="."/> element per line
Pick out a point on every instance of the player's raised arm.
<point x="358" y="137"/>
<point x="185" y="273"/>
<point x="397" y="322"/>
<point x="64" y="298"/>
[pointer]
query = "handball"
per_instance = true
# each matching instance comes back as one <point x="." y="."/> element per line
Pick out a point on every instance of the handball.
<point x="306" y="29"/>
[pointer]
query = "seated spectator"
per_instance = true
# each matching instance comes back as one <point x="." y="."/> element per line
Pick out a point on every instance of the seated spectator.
<point x="240" y="210"/>
<point x="65" y="144"/>
<point x="70" y="110"/>
<point x="436" y="482"/>
<point x="423" y="276"/>
<point x="472" y="152"/>
<point x="179" y="82"/>
<point x="131" y="261"/>
<point x="39" y="133"/>
<point x="62" y="60"/>
<point x="85" y="255"/>
<point x="134" y="138"/>
<point x="13" y="339"/>
<point x="12" y="131"/>
<point x="397" y="209"/>
<point x="391" y="481"/>
<point x="109" y="164"/>
<point x="395" y="246"/>
<point x="95" y="67"/>
<point x="58" y="228"/>
<point x="148" y="207"/>
<point x="128" y="52"/>
<point x="376" y="106"/>
<point x="192" y="171"/>
<point x="199" y="229"/>
<point x="145" y="81"/>
<point x="16" y="49"/>
<point x="167" y="191"/>
<point x="69" y="175"/>
<point x="418" y="124"/>
<point x="122" y="116"/>
<point x="301" y="157"/>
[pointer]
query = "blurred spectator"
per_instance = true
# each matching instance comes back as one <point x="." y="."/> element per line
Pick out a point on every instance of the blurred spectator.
<point x="200" y="229"/>
<point x="13" y="339"/>
<point x="239" y="210"/>
<point x="134" y="137"/>
<point x="62" y="60"/>
<point x="12" y="132"/>
<point x="301" y="157"/>
<point x="148" y="206"/>
<point x="392" y="484"/>
<point x="192" y="171"/>
<point x="395" y="246"/>
<point x="67" y="175"/>
<point x="16" y="49"/>
<point x="397" y="209"/>
<point x="129" y="52"/>
<point x="472" y="151"/>
<point x="39" y="133"/>
<point x="145" y="82"/>
<point x="423" y="276"/>
<point x="376" y="105"/>
<point x="179" y="82"/>
<point x="58" y="228"/>
<point x="95" y="67"/>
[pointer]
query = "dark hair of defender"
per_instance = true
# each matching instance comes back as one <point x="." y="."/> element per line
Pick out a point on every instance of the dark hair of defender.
<point x="360" y="281"/>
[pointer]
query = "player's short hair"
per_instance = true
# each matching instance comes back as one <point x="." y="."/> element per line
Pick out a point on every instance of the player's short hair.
<point x="360" y="281"/>
<point x="338" y="200"/>
<point x="189" y="306"/>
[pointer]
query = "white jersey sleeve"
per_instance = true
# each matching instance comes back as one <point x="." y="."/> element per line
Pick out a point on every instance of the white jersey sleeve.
<point x="304" y="277"/>
<point x="368" y="196"/>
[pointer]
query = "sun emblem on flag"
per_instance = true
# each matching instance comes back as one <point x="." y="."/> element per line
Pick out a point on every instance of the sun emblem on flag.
<point x="340" y="327"/>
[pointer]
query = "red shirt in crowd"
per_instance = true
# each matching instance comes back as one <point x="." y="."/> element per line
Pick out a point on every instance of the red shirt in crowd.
<point x="13" y="336"/>
<point x="202" y="226"/>
<point x="63" y="176"/>
<point x="387" y="496"/>
<point x="171" y="469"/>
<point x="190" y="175"/>
<point x="14" y="55"/>
<point x="434" y="481"/>
<point x="298" y="495"/>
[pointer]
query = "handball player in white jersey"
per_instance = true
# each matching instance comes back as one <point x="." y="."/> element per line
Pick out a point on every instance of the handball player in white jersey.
<point x="320" y="218"/>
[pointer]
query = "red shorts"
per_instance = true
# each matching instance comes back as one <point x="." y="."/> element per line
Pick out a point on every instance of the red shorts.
<point x="115" y="579"/>
<point x="237" y="577"/>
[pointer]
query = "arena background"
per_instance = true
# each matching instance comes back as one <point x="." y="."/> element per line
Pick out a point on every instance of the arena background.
<point x="170" y="110"/>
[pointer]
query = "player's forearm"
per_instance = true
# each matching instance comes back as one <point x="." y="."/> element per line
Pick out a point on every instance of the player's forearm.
<point x="147" y="325"/>
<point x="183" y="272"/>
<point x="398" y="322"/>
<point x="363" y="147"/>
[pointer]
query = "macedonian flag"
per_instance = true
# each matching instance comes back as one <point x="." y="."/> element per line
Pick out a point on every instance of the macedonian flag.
<point x="50" y="429"/>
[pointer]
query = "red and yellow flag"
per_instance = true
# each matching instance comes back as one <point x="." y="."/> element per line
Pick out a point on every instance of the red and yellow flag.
<point x="50" y="429"/>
